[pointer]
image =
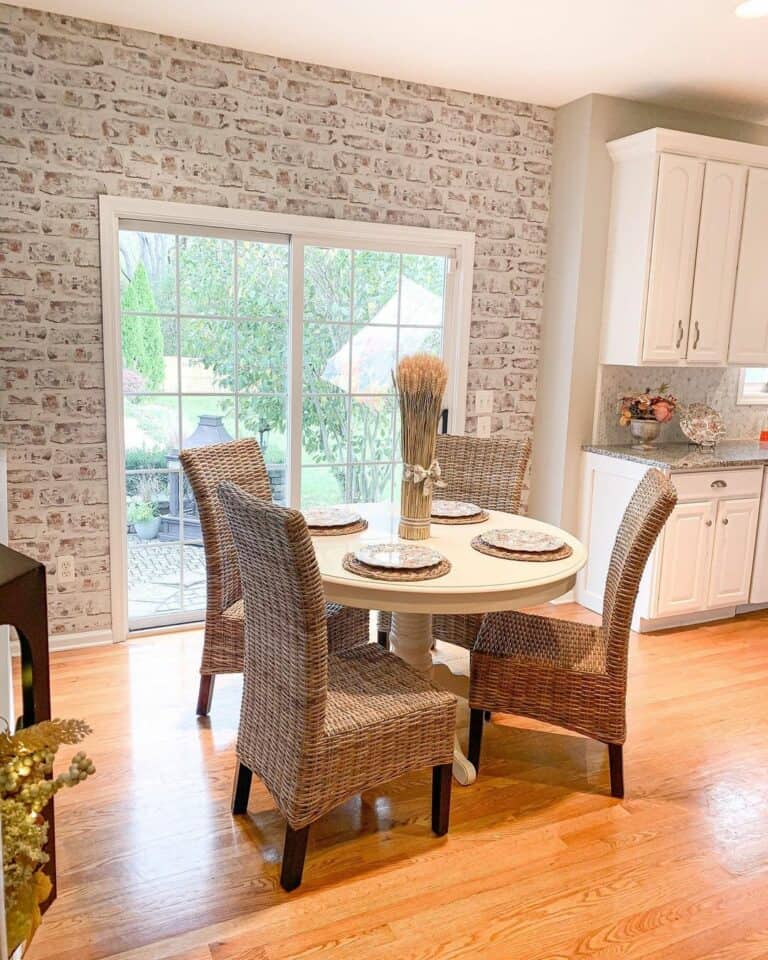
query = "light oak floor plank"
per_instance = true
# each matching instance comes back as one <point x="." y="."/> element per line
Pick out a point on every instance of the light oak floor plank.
<point x="540" y="862"/>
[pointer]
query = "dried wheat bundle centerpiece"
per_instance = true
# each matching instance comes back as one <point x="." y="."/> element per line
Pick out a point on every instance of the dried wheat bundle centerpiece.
<point x="420" y="383"/>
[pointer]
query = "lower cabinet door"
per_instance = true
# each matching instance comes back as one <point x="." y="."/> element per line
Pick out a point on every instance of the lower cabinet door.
<point x="734" y="550"/>
<point x="686" y="554"/>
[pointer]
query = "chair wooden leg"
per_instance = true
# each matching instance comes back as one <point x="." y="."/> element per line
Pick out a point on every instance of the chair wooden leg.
<point x="476" y="722"/>
<point x="616" y="764"/>
<point x="442" y="778"/>
<point x="382" y="638"/>
<point x="205" y="694"/>
<point x="242" y="789"/>
<point x="294" y="851"/>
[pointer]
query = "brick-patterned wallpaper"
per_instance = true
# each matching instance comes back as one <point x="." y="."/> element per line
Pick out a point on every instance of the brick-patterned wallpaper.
<point x="88" y="108"/>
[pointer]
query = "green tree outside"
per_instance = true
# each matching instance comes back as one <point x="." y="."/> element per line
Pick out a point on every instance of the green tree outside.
<point x="142" y="335"/>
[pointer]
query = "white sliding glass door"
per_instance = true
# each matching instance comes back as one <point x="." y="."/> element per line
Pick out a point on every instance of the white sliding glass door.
<point x="204" y="340"/>
<point x="363" y="310"/>
<point x="223" y="324"/>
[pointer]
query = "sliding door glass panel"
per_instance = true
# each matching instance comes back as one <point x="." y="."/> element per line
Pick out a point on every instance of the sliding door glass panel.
<point x="363" y="310"/>
<point x="204" y="330"/>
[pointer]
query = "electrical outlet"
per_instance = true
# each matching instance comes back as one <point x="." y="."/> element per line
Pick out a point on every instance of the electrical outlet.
<point x="65" y="567"/>
<point x="483" y="402"/>
<point x="483" y="427"/>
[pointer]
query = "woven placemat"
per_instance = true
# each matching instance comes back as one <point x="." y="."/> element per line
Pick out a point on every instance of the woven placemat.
<point x="357" y="527"/>
<point x="475" y="518"/>
<point x="353" y="565"/>
<point x="562" y="554"/>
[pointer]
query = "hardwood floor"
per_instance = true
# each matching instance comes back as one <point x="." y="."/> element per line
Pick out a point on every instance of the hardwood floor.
<point x="540" y="862"/>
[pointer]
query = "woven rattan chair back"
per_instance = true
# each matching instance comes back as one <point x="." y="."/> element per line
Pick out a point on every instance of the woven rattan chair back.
<point x="647" y="512"/>
<point x="240" y="462"/>
<point x="286" y="667"/>
<point x="486" y="471"/>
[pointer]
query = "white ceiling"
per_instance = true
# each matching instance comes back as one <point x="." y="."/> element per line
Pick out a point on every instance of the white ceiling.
<point x="687" y="53"/>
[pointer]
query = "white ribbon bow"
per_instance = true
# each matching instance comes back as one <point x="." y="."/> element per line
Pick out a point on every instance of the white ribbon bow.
<point x="430" y="476"/>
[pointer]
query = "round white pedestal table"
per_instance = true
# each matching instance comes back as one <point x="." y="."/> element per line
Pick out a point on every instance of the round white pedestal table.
<point x="476" y="583"/>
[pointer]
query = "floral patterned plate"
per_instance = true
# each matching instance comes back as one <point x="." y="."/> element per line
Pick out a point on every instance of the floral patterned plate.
<point x="521" y="540"/>
<point x="398" y="555"/>
<point x="702" y="424"/>
<point x="454" y="508"/>
<point x="330" y="516"/>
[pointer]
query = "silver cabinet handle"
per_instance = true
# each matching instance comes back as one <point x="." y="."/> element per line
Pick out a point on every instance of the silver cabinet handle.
<point x="708" y="523"/>
<point x="679" y="336"/>
<point x="698" y="334"/>
<point x="725" y="521"/>
<point x="718" y="483"/>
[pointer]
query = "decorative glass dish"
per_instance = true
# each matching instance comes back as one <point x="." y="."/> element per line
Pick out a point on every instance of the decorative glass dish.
<point x="522" y="541"/>
<point x="398" y="556"/>
<point x="702" y="424"/>
<point x="330" y="516"/>
<point x="454" y="508"/>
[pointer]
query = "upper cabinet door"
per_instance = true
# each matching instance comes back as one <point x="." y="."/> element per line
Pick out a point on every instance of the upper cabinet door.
<point x="673" y="258"/>
<point x="749" y="331"/>
<point x="717" y="254"/>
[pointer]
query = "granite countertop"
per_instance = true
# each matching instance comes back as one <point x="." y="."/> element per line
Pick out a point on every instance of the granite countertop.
<point x="685" y="457"/>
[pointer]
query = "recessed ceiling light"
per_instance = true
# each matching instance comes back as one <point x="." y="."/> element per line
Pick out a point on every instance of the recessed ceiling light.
<point x="750" y="9"/>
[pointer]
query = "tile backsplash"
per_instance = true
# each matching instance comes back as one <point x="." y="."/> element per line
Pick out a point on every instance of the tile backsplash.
<point x="716" y="386"/>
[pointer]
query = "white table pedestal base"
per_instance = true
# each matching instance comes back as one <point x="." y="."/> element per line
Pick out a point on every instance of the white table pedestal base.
<point x="411" y="639"/>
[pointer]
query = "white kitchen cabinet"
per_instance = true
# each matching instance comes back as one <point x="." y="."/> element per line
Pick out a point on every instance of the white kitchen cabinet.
<point x="673" y="258"/>
<point x="733" y="552"/>
<point x="717" y="253"/>
<point x="683" y="579"/>
<point x="679" y="273"/>
<point x="749" y="331"/>
<point x="701" y="567"/>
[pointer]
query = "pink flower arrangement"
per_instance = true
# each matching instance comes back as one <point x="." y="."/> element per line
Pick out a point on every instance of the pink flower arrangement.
<point x="648" y="406"/>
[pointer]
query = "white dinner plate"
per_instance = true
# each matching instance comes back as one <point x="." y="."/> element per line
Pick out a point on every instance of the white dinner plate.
<point x="398" y="556"/>
<point x="522" y="540"/>
<point x="330" y="516"/>
<point x="454" y="508"/>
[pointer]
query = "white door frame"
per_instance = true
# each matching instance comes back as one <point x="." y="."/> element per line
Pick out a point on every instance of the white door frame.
<point x="458" y="245"/>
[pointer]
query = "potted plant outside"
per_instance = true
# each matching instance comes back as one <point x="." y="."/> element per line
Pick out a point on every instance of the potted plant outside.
<point x="141" y="511"/>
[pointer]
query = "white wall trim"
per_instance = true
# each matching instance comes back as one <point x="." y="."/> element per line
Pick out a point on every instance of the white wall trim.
<point x="456" y="244"/>
<point x="72" y="641"/>
<point x="753" y="400"/>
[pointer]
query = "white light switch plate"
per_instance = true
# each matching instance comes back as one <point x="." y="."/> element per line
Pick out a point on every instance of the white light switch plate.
<point x="483" y="427"/>
<point x="484" y="401"/>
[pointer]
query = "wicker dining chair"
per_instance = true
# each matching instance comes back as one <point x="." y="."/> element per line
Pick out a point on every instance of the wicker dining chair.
<point x="570" y="674"/>
<point x="486" y="471"/>
<point x="318" y="726"/>
<point x="206" y="467"/>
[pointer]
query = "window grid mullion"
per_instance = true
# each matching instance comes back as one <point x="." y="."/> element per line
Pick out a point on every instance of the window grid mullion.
<point x="181" y="421"/>
<point x="236" y="323"/>
<point x="349" y="494"/>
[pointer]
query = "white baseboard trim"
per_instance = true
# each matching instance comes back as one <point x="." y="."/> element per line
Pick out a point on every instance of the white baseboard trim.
<point x="751" y="607"/>
<point x="685" y="620"/>
<point x="72" y="641"/>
